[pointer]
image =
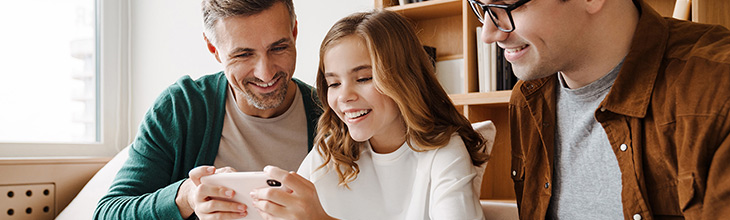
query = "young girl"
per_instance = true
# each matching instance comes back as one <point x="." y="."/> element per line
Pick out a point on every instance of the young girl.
<point x="391" y="145"/>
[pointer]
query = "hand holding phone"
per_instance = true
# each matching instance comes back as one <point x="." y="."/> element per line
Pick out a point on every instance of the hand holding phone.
<point x="242" y="183"/>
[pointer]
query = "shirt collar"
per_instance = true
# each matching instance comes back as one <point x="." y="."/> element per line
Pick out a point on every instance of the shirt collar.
<point x="631" y="92"/>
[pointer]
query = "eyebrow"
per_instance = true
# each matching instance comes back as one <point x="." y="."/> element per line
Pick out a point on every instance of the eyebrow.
<point x="361" y="67"/>
<point x="353" y="70"/>
<point x="239" y="50"/>
<point x="280" y="41"/>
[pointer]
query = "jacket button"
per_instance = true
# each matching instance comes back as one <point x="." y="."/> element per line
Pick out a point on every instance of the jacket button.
<point x="603" y="109"/>
<point x="514" y="173"/>
<point x="547" y="185"/>
<point x="637" y="217"/>
<point x="623" y="147"/>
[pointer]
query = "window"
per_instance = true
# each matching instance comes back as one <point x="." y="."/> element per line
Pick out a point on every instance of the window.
<point x="62" y="78"/>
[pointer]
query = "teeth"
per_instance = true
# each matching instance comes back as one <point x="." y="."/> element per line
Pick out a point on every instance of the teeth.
<point x="265" y="84"/>
<point x="356" y="114"/>
<point x="514" y="50"/>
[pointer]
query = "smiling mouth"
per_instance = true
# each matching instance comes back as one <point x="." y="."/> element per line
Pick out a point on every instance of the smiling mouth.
<point x="515" y="50"/>
<point x="266" y="85"/>
<point x="357" y="114"/>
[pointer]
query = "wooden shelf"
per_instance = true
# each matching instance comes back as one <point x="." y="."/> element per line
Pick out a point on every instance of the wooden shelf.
<point x="429" y="9"/>
<point x="488" y="98"/>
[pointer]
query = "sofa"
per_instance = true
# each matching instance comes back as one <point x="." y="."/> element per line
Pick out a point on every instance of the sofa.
<point x="83" y="205"/>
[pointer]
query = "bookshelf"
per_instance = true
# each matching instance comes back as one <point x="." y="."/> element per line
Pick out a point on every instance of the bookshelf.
<point x="449" y="25"/>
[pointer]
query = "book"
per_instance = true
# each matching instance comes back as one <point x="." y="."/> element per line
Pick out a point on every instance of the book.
<point x="681" y="9"/>
<point x="493" y="66"/>
<point x="484" y="64"/>
<point x="450" y="73"/>
<point x="500" y="77"/>
<point x="506" y="79"/>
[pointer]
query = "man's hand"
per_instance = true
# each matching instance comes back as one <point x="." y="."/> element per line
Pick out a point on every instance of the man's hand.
<point x="296" y="200"/>
<point x="192" y="196"/>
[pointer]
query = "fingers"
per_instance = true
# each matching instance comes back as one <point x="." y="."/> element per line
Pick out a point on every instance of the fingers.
<point x="218" y="209"/>
<point x="225" y="170"/>
<point x="204" y="192"/>
<point x="266" y="208"/>
<point x="290" y="180"/>
<point x="299" y="202"/>
<point x="196" y="173"/>
<point x="221" y="207"/>
<point x="216" y="201"/>
<point x="275" y="195"/>
<point x="275" y="203"/>
<point x="221" y="215"/>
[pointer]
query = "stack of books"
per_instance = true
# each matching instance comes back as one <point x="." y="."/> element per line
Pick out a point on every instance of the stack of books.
<point x="493" y="71"/>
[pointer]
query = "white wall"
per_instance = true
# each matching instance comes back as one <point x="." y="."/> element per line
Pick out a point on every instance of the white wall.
<point x="315" y="19"/>
<point x="167" y="42"/>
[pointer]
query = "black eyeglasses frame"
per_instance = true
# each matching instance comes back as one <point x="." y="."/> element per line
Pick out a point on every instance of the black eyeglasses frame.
<point x="488" y="9"/>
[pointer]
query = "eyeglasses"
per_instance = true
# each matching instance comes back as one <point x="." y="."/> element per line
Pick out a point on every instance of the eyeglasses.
<point x="501" y="15"/>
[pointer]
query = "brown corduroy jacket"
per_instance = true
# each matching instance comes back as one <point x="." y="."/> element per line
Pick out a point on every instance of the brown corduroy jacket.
<point x="666" y="118"/>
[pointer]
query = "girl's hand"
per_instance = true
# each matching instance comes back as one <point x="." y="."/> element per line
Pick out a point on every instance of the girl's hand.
<point x="297" y="199"/>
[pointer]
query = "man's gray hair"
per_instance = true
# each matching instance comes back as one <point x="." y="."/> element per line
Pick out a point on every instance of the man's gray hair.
<point x="214" y="10"/>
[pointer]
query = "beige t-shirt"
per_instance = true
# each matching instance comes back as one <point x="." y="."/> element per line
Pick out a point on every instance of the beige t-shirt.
<point x="249" y="143"/>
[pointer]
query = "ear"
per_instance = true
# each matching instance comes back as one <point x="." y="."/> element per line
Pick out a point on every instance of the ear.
<point x="211" y="48"/>
<point x="594" y="6"/>
<point x="295" y="30"/>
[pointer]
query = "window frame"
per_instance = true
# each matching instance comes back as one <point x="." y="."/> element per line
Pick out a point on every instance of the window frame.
<point x="113" y="35"/>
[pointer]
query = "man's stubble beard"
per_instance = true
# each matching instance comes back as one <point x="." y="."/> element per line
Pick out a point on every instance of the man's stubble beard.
<point x="267" y="100"/>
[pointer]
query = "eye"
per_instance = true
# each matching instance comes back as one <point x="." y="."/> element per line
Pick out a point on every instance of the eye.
<point x="244" y="55"/>
<point x="365" y="79"/>
<point x="333" y="85"/>
<point x="279" y="48"/>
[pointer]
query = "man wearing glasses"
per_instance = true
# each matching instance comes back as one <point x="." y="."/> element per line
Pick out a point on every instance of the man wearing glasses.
<point x="619" y="114"/>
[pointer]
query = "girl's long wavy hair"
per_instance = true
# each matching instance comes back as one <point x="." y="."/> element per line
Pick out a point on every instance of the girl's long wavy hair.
<point x="402" y="71"/>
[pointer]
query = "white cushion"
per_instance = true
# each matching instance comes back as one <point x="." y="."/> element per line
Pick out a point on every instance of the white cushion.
<point x="488" y="131"/>
<point x="499" y="210"/>
<point x="84" y="204"/>
<point x="493" y="209"/>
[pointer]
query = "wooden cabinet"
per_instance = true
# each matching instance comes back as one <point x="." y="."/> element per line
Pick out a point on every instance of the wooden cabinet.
<point x="702" y="11"/>
<point x="711" y="12"/>
<point x="450" y="26"/>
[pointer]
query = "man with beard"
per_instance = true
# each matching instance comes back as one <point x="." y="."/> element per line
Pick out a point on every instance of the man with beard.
<point x="620" y="114"/>
<point x="248" y="116"/>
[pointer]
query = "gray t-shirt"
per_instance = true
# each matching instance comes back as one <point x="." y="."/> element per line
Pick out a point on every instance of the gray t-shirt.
<point x="249" y="143"/>
<point x="587" y="178"/>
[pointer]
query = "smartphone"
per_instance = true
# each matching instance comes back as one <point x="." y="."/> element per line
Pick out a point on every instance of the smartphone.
<point x="242" y="183"/>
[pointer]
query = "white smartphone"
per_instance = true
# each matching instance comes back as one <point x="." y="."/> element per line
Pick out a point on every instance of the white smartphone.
<point x="242" y="183"/>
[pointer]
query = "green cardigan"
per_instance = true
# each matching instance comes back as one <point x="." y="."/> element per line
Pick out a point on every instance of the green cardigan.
<point x="182" y="130"/>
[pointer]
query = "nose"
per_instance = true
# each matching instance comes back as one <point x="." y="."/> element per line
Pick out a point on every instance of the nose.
<point x="490" y="33"/>
<point x="264" y="70"/>
<point x="347" y="93"/>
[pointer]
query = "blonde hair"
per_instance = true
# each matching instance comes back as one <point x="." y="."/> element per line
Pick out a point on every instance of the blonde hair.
<point x="402" y="71"/>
